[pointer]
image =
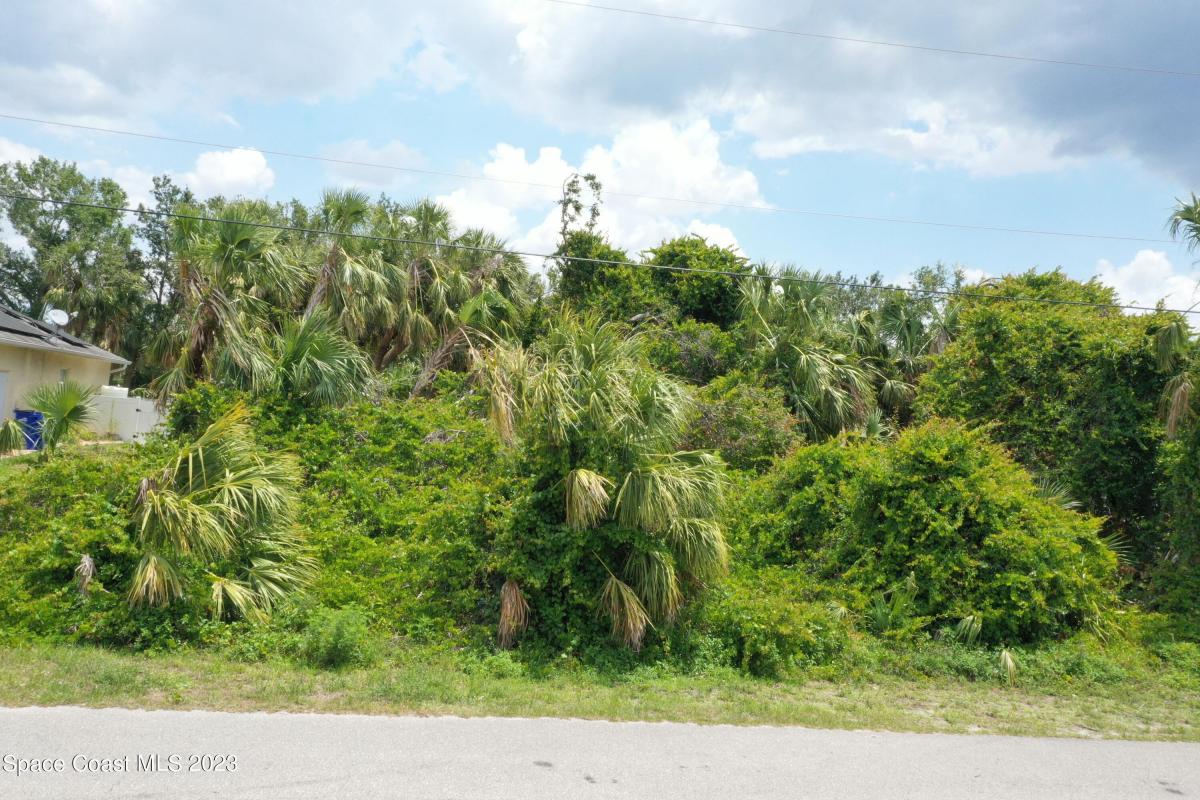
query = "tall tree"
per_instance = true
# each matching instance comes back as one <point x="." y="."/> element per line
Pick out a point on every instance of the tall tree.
<point x="226" y="269"/>
<point x="85" y="262"/>
<point x="804" y="347"/>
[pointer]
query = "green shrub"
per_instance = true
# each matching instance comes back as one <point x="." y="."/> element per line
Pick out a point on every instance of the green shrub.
<point x="748" y="425"/>
<point x="611" y="290"/>
<point x="194" y="409"/>
<point x="402" y="503"/>
<point x="705" y="295"/>
<point x="791" y="511"/>
<point x="945" y="505"/>
<point x="337" y="638"/>
<point x="697" y="352"/>
<point x="770" y="623"/>
<point x="1072" y="391"/>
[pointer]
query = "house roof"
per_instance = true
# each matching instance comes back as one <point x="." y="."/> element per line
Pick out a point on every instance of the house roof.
<point x="18" y="330"/>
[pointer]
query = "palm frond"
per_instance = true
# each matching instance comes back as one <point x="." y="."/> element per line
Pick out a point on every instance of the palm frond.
<point x="667" y="488"/>
<point x="514" y="613"/>
<point x="626" y="614"/>
<point x="586" y="498"/>
<point x="66" y="410"/>
<point x="12" y="436"/>
<point x="652" y="575"/>
<point x="699" y="547"/>
<point x="1008" y="665"/>
<point x="155" y="582"/>
<point x="1177" y="402"/>
<point x="1056" y="492"/>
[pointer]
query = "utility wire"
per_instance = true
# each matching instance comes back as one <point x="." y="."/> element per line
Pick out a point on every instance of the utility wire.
<point x="632" y="195"/>
<point x="770" y="277"/>
<point x="880" y="43"/>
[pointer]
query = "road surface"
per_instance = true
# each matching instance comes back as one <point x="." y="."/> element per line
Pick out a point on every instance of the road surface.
<point x="196" y="754"/>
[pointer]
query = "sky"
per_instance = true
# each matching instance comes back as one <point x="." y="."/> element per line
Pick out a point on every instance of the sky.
<point x="531" y="91"/>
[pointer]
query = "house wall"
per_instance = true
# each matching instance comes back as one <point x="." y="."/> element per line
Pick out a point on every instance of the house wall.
<point x="27" y="369"/>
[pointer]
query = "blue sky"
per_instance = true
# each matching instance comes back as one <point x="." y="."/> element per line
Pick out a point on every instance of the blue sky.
<point x="528" y="90"/>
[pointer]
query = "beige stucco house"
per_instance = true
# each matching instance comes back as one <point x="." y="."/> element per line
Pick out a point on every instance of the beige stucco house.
<point x="33" y="353"/>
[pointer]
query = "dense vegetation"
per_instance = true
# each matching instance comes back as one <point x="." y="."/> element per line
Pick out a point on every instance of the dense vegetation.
<point x="406" y="437"/>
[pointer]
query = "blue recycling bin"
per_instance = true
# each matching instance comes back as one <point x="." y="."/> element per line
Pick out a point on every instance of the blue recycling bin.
<point x="31" y="426"/>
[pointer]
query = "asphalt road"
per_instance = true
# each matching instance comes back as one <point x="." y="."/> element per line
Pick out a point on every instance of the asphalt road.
<point x="283" y="756"/>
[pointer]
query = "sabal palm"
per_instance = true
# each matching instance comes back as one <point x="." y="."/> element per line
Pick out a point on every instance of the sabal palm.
<point x="445" y="295"/>
<point x="585" y="400"/>
<point x="810" y="352"/>
<point x="314" y="362"/>
<point x="308" y="360"/>
<point x="66" y="410"/>
<point x="12" y="436"/>
<point x="231" y="274"/>
<point x="224" y="502"/>
<point x="353" y="278"/>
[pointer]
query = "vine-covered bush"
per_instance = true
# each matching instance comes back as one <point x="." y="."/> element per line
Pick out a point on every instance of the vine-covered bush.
<point x="748" y="424"/>
<point x="66" y="553"/>
<point x="697" y="352"/>
<point x="1072" y="391"/>
<point x="402" y="502"/>
<point x="949" y="508"/>
<point x="703" y="285"/>
<point x="772" y="620"/>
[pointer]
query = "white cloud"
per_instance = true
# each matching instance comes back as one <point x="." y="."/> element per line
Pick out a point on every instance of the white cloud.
<point x="973" y="276"/>
<point x="15" y="151"/>
<point x="599" y="72"/>
<point x="231" y="173"/>
<point x="1148" y="278"/>
<point x="474" y="210"/>
<point x="137" y="182"/>
<point x="936" y="135"/>
<point x="669" y="161"/>
<point x="715" y="234"/>
<point x="10" y="237"/>
<point x="391" y="154"/>
<point x="434" y="70"/>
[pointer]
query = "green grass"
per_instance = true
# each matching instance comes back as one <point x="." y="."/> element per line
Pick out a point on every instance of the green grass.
<point x="1162" y="704"/>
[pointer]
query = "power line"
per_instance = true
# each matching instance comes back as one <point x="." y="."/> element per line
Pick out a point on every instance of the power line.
<point x="880" y="43"/>
<point x="632" y="195"/>
<point x="601" y="261"/>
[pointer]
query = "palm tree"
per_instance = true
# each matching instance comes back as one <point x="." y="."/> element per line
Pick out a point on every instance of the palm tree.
<point x="1185" y="222"/>
<point x="231" y="274"/>
<point x="808" y="350"/>
<point x="66" y="411"/>
<point x="12" y="436"/>
<point x="598" y="425"/>
<point x="314" y="362"/>
<point x="223" y="502"/>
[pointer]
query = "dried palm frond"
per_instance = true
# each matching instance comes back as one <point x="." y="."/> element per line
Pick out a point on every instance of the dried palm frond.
<point x="514" y="614"/>
<point x="155" y="582"/>
<point x="85" y="572"/>
<point x="587" y="498"/>
<point x="625" y="612"/>
<point x="652" y="574"/>
<point x="1177" y="402"/>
